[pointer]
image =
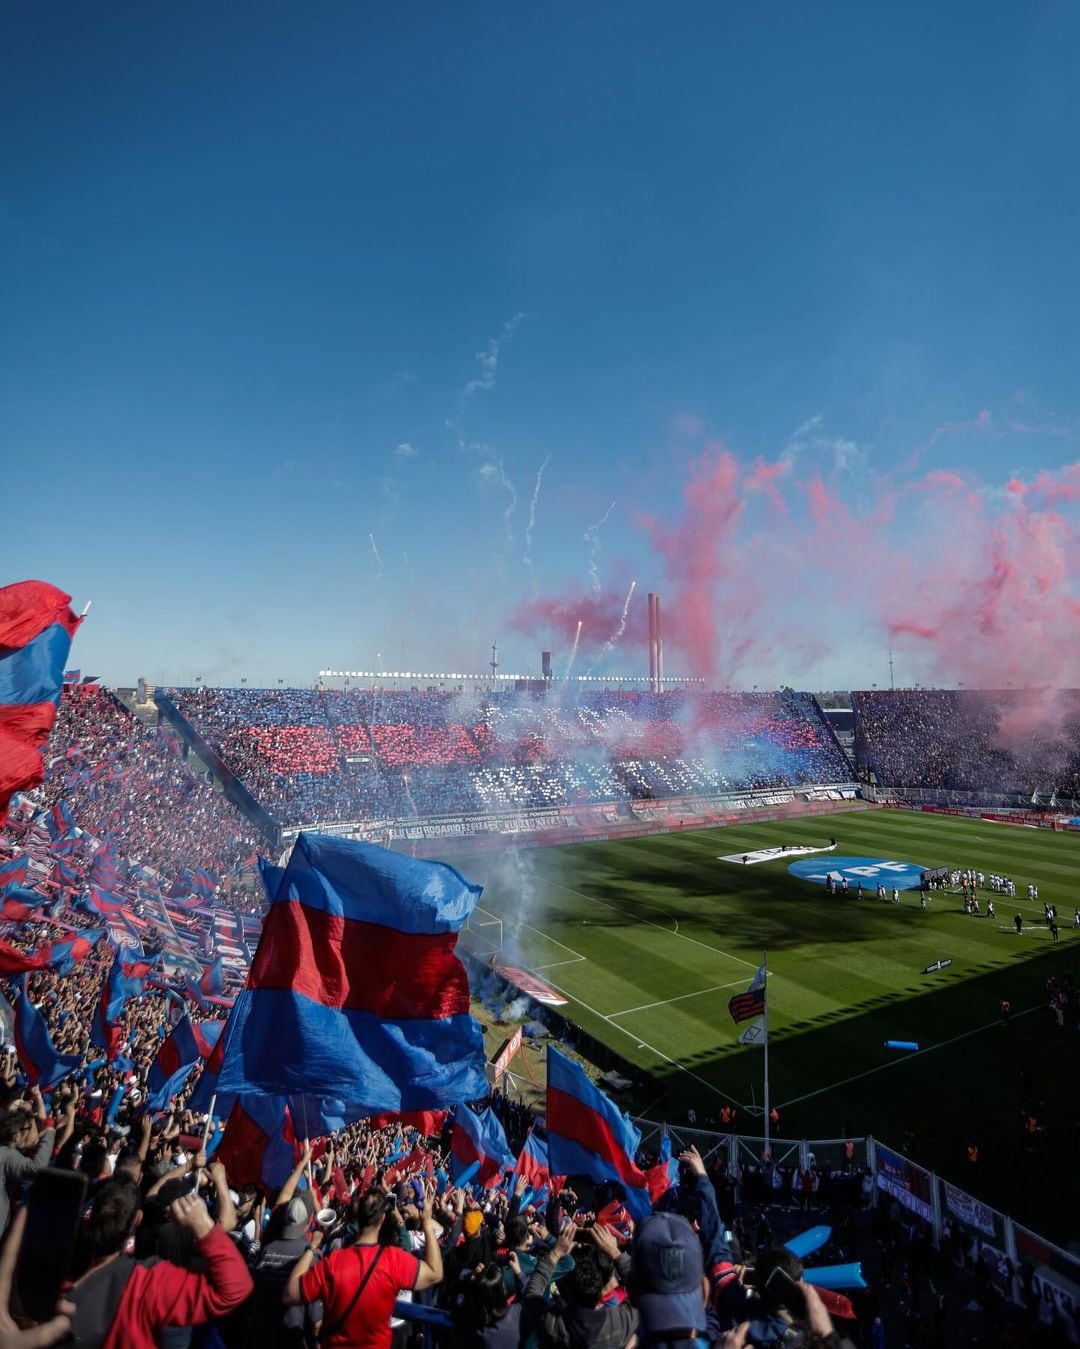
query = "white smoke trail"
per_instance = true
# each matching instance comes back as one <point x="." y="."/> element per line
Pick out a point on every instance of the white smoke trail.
<point x="378" y="559"/>
<point x="488" y="360"/>
<point x="590" y="537"/>
<point x="573" y="651"/>
<point x="613" y="640"/>
<point x="495" y="472"/>
<point x="527" y="559"/>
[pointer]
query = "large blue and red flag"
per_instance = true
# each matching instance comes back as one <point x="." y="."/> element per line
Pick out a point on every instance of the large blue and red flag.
<point x="127" y="979"/>
<point x="63" y="956"/>
<point x="589" y="1136"/>
<point x="38" y="1059"/>
<point x="189" y="1043"/>
<point x="36" y="628"/>
<point x="259" y="1143"/>
<point x="355" y="991"/>
<point x="479" y="1152"/>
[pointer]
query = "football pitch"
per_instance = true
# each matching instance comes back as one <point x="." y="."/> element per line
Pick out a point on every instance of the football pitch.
<point x="649" y="938"/>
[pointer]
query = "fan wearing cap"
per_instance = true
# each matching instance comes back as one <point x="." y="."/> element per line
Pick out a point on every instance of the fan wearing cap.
<point x="587" y="1312"/>
<point x="731" y="1306"/>
<point x="667" y="1280"/>
<point x="273" y="1324"/>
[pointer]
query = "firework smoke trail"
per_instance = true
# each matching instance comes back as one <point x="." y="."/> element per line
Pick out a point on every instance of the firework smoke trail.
<point x="494" y="472"/>
<point x="613" y="640"/>
<point x="573" y="652"/>
<point x="591" y="538"/>
<point x="527" y="559"/>
<point x="378" y="559"/>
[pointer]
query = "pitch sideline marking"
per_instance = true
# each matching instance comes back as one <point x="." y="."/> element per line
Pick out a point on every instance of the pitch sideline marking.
<point x="681" y="935"/>
<point x="644" y="1043"/>
<point x="796" y="1100"/>
<point x="681" y="997"/>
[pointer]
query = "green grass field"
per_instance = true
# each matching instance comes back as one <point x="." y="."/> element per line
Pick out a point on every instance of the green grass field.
<point x="649" y="938"/>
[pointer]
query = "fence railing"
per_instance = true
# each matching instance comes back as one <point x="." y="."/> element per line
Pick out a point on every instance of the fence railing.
<point x="1003" y="1245"/>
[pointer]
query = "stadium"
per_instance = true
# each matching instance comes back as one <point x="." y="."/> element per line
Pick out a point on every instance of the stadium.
<point x="539" y="677"/>
<point x="649" y="851"/>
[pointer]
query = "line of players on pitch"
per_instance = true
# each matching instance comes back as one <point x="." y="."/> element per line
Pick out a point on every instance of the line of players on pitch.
<point x="969" y="882"/>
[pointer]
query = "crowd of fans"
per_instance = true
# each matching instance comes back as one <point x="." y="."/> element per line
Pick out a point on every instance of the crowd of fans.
<point x="1014" y="741"/>
<point x="328" y="755"/>
<point x="183" y="1239"/>
<point x="128" y="782"/>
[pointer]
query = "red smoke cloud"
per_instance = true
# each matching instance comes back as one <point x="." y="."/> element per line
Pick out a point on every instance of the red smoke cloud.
<point x="968" y="582"/>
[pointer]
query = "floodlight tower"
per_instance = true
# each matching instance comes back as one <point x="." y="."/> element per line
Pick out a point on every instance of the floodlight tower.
<point x="494" y="663"/>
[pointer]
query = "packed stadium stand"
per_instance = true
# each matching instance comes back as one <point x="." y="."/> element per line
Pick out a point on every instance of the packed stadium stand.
<point x="971" y="740"/>
<point x="327" y="755"/>
<point x="128" y="781"/>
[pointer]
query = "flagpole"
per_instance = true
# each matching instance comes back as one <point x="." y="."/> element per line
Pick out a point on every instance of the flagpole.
<point x="765" y="988"/>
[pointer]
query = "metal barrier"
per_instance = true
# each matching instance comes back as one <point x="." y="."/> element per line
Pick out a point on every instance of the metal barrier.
<point x="942" y="1208"/>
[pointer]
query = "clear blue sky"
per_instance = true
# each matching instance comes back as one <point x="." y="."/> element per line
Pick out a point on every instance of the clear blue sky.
<point x="279" y="280"/>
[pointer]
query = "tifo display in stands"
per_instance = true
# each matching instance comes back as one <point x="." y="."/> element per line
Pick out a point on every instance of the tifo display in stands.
<point x="318" y="756"/>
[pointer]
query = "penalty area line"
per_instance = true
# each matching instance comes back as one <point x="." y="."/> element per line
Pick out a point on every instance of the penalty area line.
<point x="592" y="899"/>
<point x="906" y="1058"/>
<point x="664" y="1002"/>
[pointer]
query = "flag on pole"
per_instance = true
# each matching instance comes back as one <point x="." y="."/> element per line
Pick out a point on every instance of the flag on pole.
<point x="60" y="822"/>
<point x="589" y="1136"/>
<point x="258" y="1146"/>
<point x="479" y="1152"/>
<point x="185" y="1047"/>
<point x="355" y="991"/>
<point x="34" y="1047"/>
<point x="750" y="1006"/>
<point x="126" y="979"/>
<point x="36" y="628"/>
<point x="532" y="1163"/>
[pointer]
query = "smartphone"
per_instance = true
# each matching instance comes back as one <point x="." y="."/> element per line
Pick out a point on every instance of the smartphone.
<point x="782" y="1288"/>
<point x="53" y="1213"/>
<point x="391" y="1203"/>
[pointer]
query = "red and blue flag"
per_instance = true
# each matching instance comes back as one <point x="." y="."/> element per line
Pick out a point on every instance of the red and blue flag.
<point x="38" y="1058"/>
<point x="259" y="1143"/>
<point x="14" y="961"/>
<point x="479" y="1152"/>
<point x="127" y="979"/>
<point x="36" y="628"/>
<point x="589" y="1136"/>
<point x="15" y="871"/>
<point x="60" y="822"/>
<point x="19" y="905"/>
<point x="63" y="956"/>
<point x="105" y="871"/>
<point x="355" y="991"/>
<point x="532" y="1163"/>
<point x="189" y="1043"/>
